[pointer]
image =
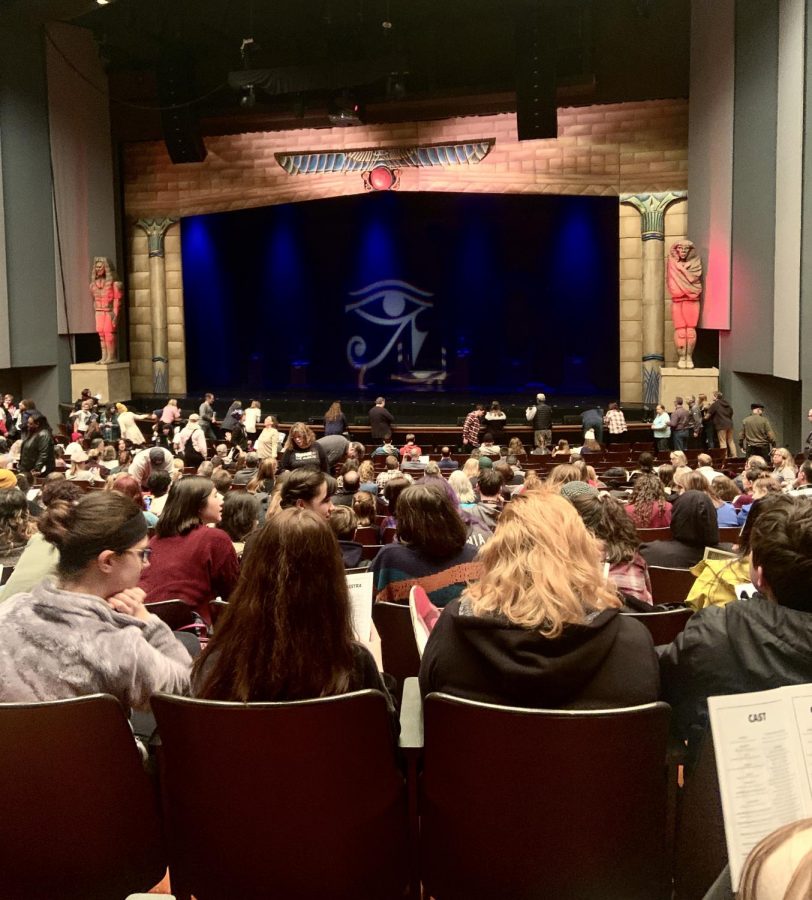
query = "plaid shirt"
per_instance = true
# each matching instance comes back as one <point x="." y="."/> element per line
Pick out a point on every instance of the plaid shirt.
<point x="470" y="430"/>
<point x="615" y="421"/>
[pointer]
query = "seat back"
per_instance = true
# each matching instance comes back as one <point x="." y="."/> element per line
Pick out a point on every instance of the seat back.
<point x="644" y="535"/>
<point x="216" y="609"/>
<point x="401" y="658"/>
<point x="526" y="803"/>
<point x="670" y="585"/>
<point x="175" y="613"/>
<point x="664" y="624"/>
<point x="80" y="816"/>
<point x="366" y="535"/>
<point x="291" y="800"/>
<point x="729" y="534"/>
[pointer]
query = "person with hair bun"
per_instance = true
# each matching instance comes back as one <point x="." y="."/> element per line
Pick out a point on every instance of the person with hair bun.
<point x="190" y="561"/>
<point x="541" y="628"/>
<point x="87" y="631"/>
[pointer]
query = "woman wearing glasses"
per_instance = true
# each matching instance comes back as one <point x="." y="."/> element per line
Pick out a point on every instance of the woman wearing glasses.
<point x="87" y="631"/>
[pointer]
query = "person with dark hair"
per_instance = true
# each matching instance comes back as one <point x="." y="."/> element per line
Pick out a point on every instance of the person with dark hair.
<point x="802" y="486"/>
<point x="249" y="470"/>
<point x="488" y="447"/>
<point x="756" y="644"/>
<point x="489" y="507"/>
<point x="433" y="549"/>
<point x="129" y="486"/>
<point x="307" y="488"/>
<point x="647" y="506"/>
<point x="303" y="450"/>
<point x="606" y="518"/>
<point x="694" y="526"/>
<point x="87" y="631"/>
<point x="471" y="427"/>
<point x="16" y="527"/>
<point x="191" y="562"/>
<point x="145" y="462"/>
<point x="287" y="632"/>
<point x="37" y="451"/>
<point x="363" y="505"/>
<point x="387" y="448"/>
<point x="381" y="421"/>
<point x="158" y="485"/>
<point x="240" y="517"/>
<point x="391" y="492"/>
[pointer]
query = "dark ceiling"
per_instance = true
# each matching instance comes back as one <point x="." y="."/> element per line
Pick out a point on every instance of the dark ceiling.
<point x="403" y="60"/>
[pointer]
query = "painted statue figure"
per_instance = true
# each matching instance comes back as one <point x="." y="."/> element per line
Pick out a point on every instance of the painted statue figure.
<point x="107" y="292"/>
<point x="685" y="285"/>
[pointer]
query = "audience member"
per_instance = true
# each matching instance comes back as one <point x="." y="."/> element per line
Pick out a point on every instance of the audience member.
<point x="222" y="480"/>
<point x="191" y="441"/>
<point x="462" y="487"/>
<point x="488" y="447"/>
<point x="592" y="420"/>
<point x="757" y="435"/>
<point x="145" y="462"/>
<point x="380" y="421"/>
<point x="693" y="527"/>
<point x="491" y="502"/>
<point x="249" y="470"/>
<point x="762" y="486"/>
<point x="562" y="450"/>
<point x="471" y="427"/>
<point x="88" y="631"/>
<point x="343" y="522"/>
<point x="267" y="444"/>
<point x="540" y="628"/>
<point x="335" y="421"/>
<point x="129" y="486"/>
<point x="37" y="450"/>
<point x="232" y="416"/>
<point x="158" y="485"/>
<point x="516" y="448"/>
<point x="410" y="445"/>
<point x="302" y="449"/>
<point x="387" y="448"/>
<point x="704" y="465"/>
<point x="680" y="422"/>
<point x="79" y="471"/>
<point x="391" y="472"/>
<point x="606" y="518"/>
<point x="661" y="428"/>
<point x="350" y="484"/>
<point x="725" y="513"/>
<point x="412" y="462"/>
<point x="336" y="447"/>
<point x="250" y="419"/>
<point x="540" y="415"/>
<point x="366" y="472"/>
<point x="240" y="517"/>
<point x="802" y="486"/>
<point x="720" y="415"/>
<point x="647" y="506"/>
<point x="784" y="465"/>
<point x="615" y="423"/>
<point x="749" y="645"/>
<point x="391" y="493"/>
<point x="307" y="488"/>
<point x="189" y="561"/>
<point x="16" y="526"/>
<point x="287" y="633"/>
<point x="433" y="549"/>
<point x="363" y="505"/>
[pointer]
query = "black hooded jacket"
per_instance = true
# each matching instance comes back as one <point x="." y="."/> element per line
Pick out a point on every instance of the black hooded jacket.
<point x="694" y="526"/>
<point x="609" y="662"/>
<point x="748" y="645"/>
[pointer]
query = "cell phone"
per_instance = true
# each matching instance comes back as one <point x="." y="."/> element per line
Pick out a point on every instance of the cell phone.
<point x="147" y="501"/>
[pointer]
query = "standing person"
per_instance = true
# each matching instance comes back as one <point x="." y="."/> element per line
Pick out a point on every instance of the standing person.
<point x="267" y="444"/>
<point x="661" y="427"/>
<point x="708" y="432"/>
<point x="208" y="417"/>
<point x="334" y="420"/>
<point x="471" y="426"/>
<point x="615" y="423"/>
<point x="302" y="449"/>
<point x="680" y="424"/>
<point x="233" y="413"/>
<point x="593" y="418"/>
<point x="695" y="414"/>
<point x="495" y="417"/>
<point x="237" y="432"/>
<point x="540" y="415"/>
<point x="170" y="413"/>
<point x="126" y="422"/>
<point x="720" y="415"/>
<point x="251" y="418"/>
<point x="37" y="451"/>
<point x="192" y="442"/>
<point x="91" y="617"/>
<point x="189" y="561"/>
<point x="808" y="442"/>
<point x="145" y="462"/>
<point x="757" y="433"/>
<point x="381" y="421"/>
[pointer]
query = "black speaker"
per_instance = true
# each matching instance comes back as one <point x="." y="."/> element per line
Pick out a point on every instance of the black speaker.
<point x="536" y="115"/>
<point x="181" y="126"/>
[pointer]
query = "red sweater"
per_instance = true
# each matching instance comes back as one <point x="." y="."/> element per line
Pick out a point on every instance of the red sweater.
<point x="194" y="568"/>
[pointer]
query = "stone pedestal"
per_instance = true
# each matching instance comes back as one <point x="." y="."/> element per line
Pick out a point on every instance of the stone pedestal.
<point x="683" y="382"/>
<point x="111" y="380"/>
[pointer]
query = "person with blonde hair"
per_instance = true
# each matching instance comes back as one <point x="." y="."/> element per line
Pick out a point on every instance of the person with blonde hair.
<point x="541" y="626"/>
<point x="126" y="423"/>
<point x="561" y="474"/>
<point x="463" y="488"/>
<point x="784" y="465"/>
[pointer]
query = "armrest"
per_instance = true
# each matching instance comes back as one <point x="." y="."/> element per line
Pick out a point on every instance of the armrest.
<point x="411" y="716"/>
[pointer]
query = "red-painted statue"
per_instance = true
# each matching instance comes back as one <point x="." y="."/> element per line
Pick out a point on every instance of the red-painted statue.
<point x="685" y="286"/>
<point x="107" y="292"/>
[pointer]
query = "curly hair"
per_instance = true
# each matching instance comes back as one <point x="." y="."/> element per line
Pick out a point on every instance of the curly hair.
<point x="15" y="525"/>
<point x="606" y="518"/>
<point x="648" y="494"/>
<point x="300" y="430"/>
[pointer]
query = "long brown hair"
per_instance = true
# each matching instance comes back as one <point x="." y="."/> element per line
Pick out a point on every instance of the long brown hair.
<point x="429" y="522"/>
<point x="648" y="492"/>
<point x="303" y="431"/>
<point x="286" y="634"/>
<point x="333" y="413"/>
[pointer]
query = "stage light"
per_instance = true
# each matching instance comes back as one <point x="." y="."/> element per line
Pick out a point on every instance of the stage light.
<point x="345" y="109"/>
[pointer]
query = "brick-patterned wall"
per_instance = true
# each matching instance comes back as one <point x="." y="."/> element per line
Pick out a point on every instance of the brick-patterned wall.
<point x="605" y="150"/>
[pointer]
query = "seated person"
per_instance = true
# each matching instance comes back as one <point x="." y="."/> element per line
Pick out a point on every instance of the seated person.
<point x="16" y="526"/>
<point x="158" y="485"/>
<point x="387" y="448"/>
<point x="446" y="462"/>
<point x="488" y="447"/>
<point x="412" y="463"/>
<point x="391" y="492"/>
<point x="749" y="645"/>
<point x="562" y="449"/>
<point x="410" y="445"/>
<point x="491" y="502"/>
<point x="350" y="485"/>
<point x="343" y="521"/>
<point x="87" y="631"/>
<point x="647" y="506"/>
<point x="363" y="505"/>
<point x="693" y="527"/>
<point x="433" y="549"/>
<point x="366" y="472"/>
<point x="762" y="487"/>
<point x="240" y="517"/>
<point x="244" y="475"/>
<point x="286" y="634"/>
<point x="607" y="520"/>
<point x="541" y="627"/>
